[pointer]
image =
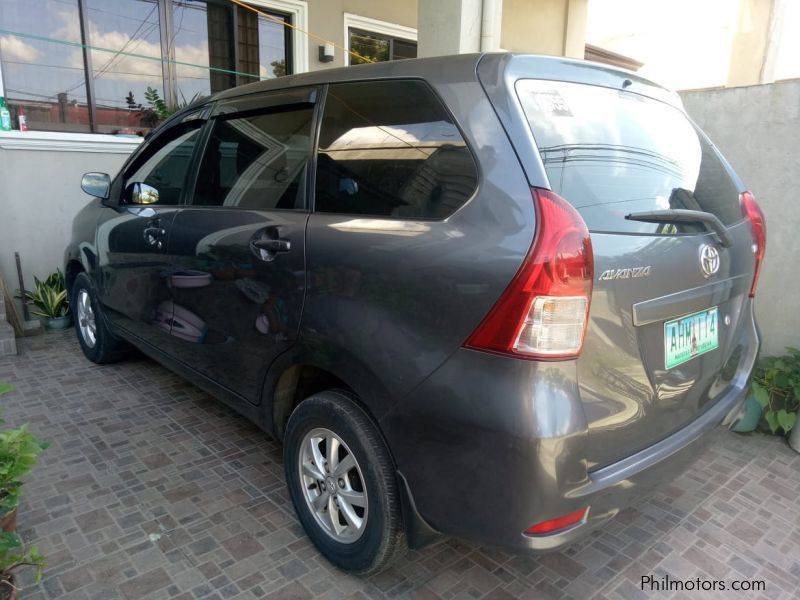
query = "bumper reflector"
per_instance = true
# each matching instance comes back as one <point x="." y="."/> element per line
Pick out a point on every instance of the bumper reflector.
<point x="558" y="524"/>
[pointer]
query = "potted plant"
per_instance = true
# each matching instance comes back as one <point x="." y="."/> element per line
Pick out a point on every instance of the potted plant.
<point x="50" y="297"/>
<point x="19" y="450"/>
<point x="14" y="555"/>
<point x="776" y="387"/>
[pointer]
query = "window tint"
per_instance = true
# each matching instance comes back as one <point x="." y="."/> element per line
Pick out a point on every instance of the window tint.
<point x="257" y="162"/>
<point x="165" y="162"/>
<point x="610" y="153"/>
<point x="388" y="148"/>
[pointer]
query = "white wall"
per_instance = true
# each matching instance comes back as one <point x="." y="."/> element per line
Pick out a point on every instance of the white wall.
<point x="757" y="128"/>
<point x="40" y="193"/>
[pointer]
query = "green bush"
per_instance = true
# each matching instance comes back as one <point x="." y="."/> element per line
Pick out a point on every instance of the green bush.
<point x="19" y="450"/>
<point x="776" y="387"/>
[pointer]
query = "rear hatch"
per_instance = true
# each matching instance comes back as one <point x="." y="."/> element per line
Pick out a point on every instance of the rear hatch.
<point x="670" y="301"/>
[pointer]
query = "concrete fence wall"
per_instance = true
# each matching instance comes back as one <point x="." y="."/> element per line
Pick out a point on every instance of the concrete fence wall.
<point x="40" y="194"/>
<point x="757" y="128"/>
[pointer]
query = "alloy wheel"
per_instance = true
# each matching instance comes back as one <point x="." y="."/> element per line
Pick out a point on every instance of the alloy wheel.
<point x="333" y="485"/>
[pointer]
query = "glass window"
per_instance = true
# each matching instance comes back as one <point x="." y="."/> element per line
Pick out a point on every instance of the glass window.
<point x="264" y="44"/>
<point x="379" y="48"/>
<point x="134" y="58"/>
<point x="203" y="35"/>
<point x="128" y="27"/>
<point x="388" y="148"/>
<point x="610" y="153"/>
<point x="44" y="79"/>
<point x="165" y="162"/>
<point x="257" y="162"/>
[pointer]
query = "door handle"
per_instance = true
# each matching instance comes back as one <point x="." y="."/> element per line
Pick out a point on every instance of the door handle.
<point x="279" y="245"/>
<point x="267" y="248"/>
<point x="152" y="234"/>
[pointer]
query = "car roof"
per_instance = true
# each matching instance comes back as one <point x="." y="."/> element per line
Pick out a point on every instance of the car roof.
<point x="444" y="69"/>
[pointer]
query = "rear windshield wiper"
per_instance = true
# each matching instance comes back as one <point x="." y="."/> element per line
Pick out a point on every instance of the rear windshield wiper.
<point x="680" y="215"/>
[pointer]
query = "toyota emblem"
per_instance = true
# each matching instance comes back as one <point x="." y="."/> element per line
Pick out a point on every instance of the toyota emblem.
<point x="709" y="260"/>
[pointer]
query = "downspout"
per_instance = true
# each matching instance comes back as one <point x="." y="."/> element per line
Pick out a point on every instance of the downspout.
<point x="491" y="15"/>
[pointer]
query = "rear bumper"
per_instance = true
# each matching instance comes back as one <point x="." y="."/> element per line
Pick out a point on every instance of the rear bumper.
<point x="490" y="446"/>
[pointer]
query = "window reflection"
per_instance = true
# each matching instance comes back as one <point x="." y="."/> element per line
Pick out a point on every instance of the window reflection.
<point x="390" y="149"/>
<point x="379" y="48"/>
<point x="44" y="79"/>
<point x="120" y="80"/>
<point x="611" y="152"/>
<point x="218" y="44"/>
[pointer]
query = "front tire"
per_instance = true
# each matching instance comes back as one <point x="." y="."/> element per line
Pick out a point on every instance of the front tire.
<point x="342" y="482"/>
<point x="97" y="341"/>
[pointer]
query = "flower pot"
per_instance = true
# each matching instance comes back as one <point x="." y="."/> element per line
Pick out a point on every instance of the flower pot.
<point x="794" y="435"/>
<point x="58" y="323"/>
<point x="9" y="522"/>
<point x="751" y="417"/>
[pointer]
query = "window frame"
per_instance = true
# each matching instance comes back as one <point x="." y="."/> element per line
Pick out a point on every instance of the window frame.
<point x="313" y="94"/>
<point x="382" y="29"/>
<point x="446" y="109"/>
<point x="296" y="48"/>
<point x="155" y="143"/>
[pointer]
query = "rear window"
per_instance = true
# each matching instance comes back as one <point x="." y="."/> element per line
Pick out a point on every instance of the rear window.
<point x="611" y="153"/>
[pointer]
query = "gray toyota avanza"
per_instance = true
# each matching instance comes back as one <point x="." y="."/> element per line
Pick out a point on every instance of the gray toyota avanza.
<point x="490" y="296"/>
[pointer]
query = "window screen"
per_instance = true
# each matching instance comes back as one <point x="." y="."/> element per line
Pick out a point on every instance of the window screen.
<point x="611" y="152"/>
<point x="388" y="148"/>
<point x="257" y="162"/>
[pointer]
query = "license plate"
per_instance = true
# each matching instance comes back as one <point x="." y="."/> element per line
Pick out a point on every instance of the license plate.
<point x="690" y="336"/>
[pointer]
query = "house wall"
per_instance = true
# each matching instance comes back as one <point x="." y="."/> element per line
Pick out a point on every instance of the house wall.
<point x="40" y="194"/>
<point x="757" y="129"/>
<point x="555" y="27"/>
<point x="326" y="19"/>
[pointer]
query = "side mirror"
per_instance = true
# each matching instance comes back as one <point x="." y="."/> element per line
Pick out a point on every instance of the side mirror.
<point x="96" y="184"/>
<point x="141" y="193"/>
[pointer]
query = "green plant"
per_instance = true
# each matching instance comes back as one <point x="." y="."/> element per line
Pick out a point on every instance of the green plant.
<point x="50" y="296"/>
<point x="158" y="110"/>
<point x="776" y="387"/>
<point x="13" y="555"/>
<point x="19" y="450"/>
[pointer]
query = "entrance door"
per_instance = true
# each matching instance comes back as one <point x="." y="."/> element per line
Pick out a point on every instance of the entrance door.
<point x="133" y="234"/>
<point x="238" y="249"/>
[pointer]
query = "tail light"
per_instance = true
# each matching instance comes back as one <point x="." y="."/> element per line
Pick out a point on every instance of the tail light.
<point x="542" y="314"/>
<point x="753" y="213"/>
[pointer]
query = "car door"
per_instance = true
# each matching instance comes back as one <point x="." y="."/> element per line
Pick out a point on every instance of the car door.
<point x="133" y="234"/>
<point x="237" y="279"/>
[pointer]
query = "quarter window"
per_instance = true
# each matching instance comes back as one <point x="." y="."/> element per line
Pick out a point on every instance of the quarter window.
<point x="389" y="148"/>
<point x="258" y="161"/>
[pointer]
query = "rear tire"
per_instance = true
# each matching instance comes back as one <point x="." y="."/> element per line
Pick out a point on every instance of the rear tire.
<point x="97" y="341"/>
<point x="357" y="484"/>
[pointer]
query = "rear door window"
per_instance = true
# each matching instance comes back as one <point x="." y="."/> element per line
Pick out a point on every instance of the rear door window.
<point x="257" y="161"/>
<point x="611" y="153"/>
<point x="389" y="148"/>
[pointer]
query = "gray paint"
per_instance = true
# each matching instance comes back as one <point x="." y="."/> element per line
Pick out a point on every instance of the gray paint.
<point x="488" y="444"/>
<point x="757" y="128"/>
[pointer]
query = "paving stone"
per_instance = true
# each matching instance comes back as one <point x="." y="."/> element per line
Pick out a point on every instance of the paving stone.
<point x="152" y="489"/>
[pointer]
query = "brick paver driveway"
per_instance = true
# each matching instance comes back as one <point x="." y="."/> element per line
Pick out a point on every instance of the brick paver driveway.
<point x="152" y="489"/>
